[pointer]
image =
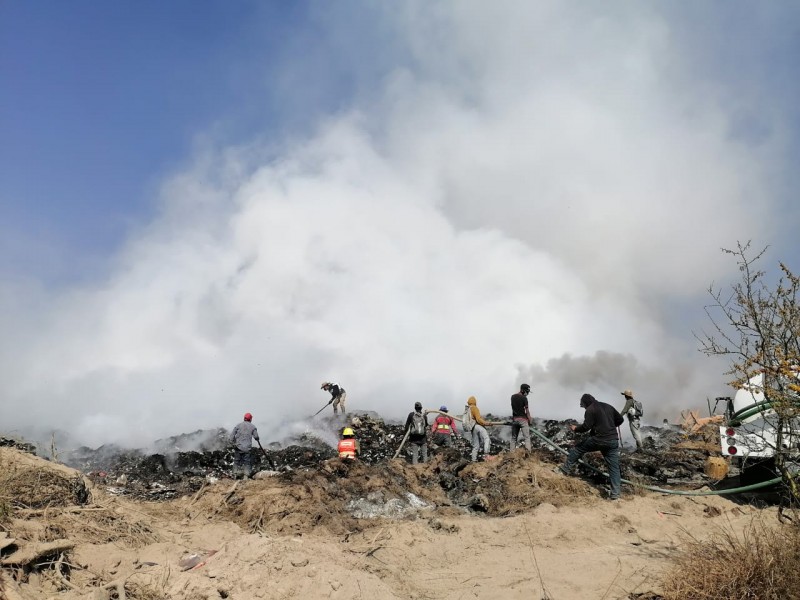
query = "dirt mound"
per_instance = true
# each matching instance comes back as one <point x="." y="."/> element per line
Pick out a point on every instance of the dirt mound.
<point x="29" y="482"/>
<point x="344" y="496"/>
<point x="511" y="484"/>
<point x="347" y="530"/>
<point x="47" y="510"/>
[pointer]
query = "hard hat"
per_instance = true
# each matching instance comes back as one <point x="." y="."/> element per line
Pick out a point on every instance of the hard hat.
<point x="443" y="408"/>
<point x="525" y="388"/>
<point x="324" y="385"/>
<point x="348" y="431"/>
<point x="248" y="417"/>
<point x="417" y="405"/>
<point x="627" y="393"/>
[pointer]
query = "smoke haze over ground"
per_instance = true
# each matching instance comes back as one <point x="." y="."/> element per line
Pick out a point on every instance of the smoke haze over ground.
<point x="536" y="194"/>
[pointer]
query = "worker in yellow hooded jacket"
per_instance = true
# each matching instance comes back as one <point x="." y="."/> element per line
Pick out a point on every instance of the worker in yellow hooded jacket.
<point x="473" y="419"/>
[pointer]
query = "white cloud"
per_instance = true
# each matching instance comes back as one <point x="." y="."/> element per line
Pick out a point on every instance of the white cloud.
<point x="546" y="180"/>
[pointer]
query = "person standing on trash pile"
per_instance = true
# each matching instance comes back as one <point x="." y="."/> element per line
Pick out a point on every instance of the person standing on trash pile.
<point x="521" y="417"/>
<point x="338" y="395"/>
<point x="443" y="428"/>
<point x="474" y="423"/>
<point x="633" y="409"/>
<point x="417" y="428"/>
<point x="601" y="421"/>
<point x="242" y="438"/>
<point x="349" y="448"/>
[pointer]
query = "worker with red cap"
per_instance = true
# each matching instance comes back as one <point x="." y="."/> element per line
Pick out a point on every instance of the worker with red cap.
<point x="242" y="437"/>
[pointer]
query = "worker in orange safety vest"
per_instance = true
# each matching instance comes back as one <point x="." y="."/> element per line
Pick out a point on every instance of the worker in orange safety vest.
<point x="349" y="447"/>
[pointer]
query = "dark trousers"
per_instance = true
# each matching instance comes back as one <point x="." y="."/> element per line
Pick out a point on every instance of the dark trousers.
<point x="442" y="439"/>
<point x="243" y="462"/>
<point x="610" y="451"/>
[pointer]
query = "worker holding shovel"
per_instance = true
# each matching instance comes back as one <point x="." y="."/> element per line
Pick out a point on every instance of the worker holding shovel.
<point x="242" y="437"/>
<point x="338" y="396"/>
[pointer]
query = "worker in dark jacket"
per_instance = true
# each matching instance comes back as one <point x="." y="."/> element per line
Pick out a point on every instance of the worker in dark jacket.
<point x="521" y="416"/>
<point x="601" y="421"/>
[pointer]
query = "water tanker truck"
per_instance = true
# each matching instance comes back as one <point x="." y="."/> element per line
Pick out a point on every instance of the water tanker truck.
<point x="750" y="435"/>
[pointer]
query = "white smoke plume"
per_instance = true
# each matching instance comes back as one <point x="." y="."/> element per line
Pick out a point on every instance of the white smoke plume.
<point x="536" y="193"/>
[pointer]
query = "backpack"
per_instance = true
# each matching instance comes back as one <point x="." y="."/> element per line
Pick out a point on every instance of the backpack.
<point x="417" y="424"/>
<point x="637" y="409"/>
<point x="467" y="420"/>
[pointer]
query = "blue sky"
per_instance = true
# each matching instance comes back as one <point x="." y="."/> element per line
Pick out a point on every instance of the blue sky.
<point x="101" y="101"/>
<point x="212" y="199"/>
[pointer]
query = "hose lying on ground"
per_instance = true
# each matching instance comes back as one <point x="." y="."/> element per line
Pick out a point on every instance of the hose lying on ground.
<point x="652" y="488"/>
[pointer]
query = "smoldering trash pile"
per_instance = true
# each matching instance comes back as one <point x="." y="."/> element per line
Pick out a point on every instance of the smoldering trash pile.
<point x="183" y="464"/>
<point x="50" y="512"/>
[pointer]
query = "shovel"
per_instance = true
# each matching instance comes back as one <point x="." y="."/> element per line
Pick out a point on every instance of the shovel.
<point x="272" y="464"/>
<point x="323" y="408"/>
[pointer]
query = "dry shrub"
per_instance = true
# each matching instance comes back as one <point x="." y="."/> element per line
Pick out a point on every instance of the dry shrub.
<point x="638" y="488"/>
<point x="140" y="591"/>
<point x="761" y="563"/>
<point x="559" y="490"/>
<point x="95" y="525"/>
<point x="5" y="510"/>
<point x="102" y="526"/>
<point x="40" y="488"/>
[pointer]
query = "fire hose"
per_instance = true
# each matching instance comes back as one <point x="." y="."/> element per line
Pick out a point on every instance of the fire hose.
<point x="749" y="411"/>
<point x="405" y="437"/>
<point x="653" y="488"/>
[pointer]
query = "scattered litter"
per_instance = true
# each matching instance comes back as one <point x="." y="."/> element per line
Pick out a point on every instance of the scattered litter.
<point x="196" y="560"/>
<point x="374" y="505"/>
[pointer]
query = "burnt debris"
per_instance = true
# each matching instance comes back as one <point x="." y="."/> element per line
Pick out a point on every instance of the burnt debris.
<point x="182" y="464"/>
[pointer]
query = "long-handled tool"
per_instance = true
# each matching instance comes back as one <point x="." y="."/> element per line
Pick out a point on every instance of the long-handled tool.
<point x="324" y="407"/>
<point x="269" y="460"/>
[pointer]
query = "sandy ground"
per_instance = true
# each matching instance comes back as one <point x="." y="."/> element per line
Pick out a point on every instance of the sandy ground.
<point x="578" y="548"/>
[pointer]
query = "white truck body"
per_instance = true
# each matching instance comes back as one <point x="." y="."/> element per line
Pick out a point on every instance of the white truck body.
<point x="754" y="436"/>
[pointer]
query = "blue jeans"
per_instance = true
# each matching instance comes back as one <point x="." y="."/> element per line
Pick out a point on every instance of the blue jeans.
<point x="610" y="451"/>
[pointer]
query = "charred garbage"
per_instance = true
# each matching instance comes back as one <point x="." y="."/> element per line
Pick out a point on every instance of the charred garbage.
<point x="182" y="464"/>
